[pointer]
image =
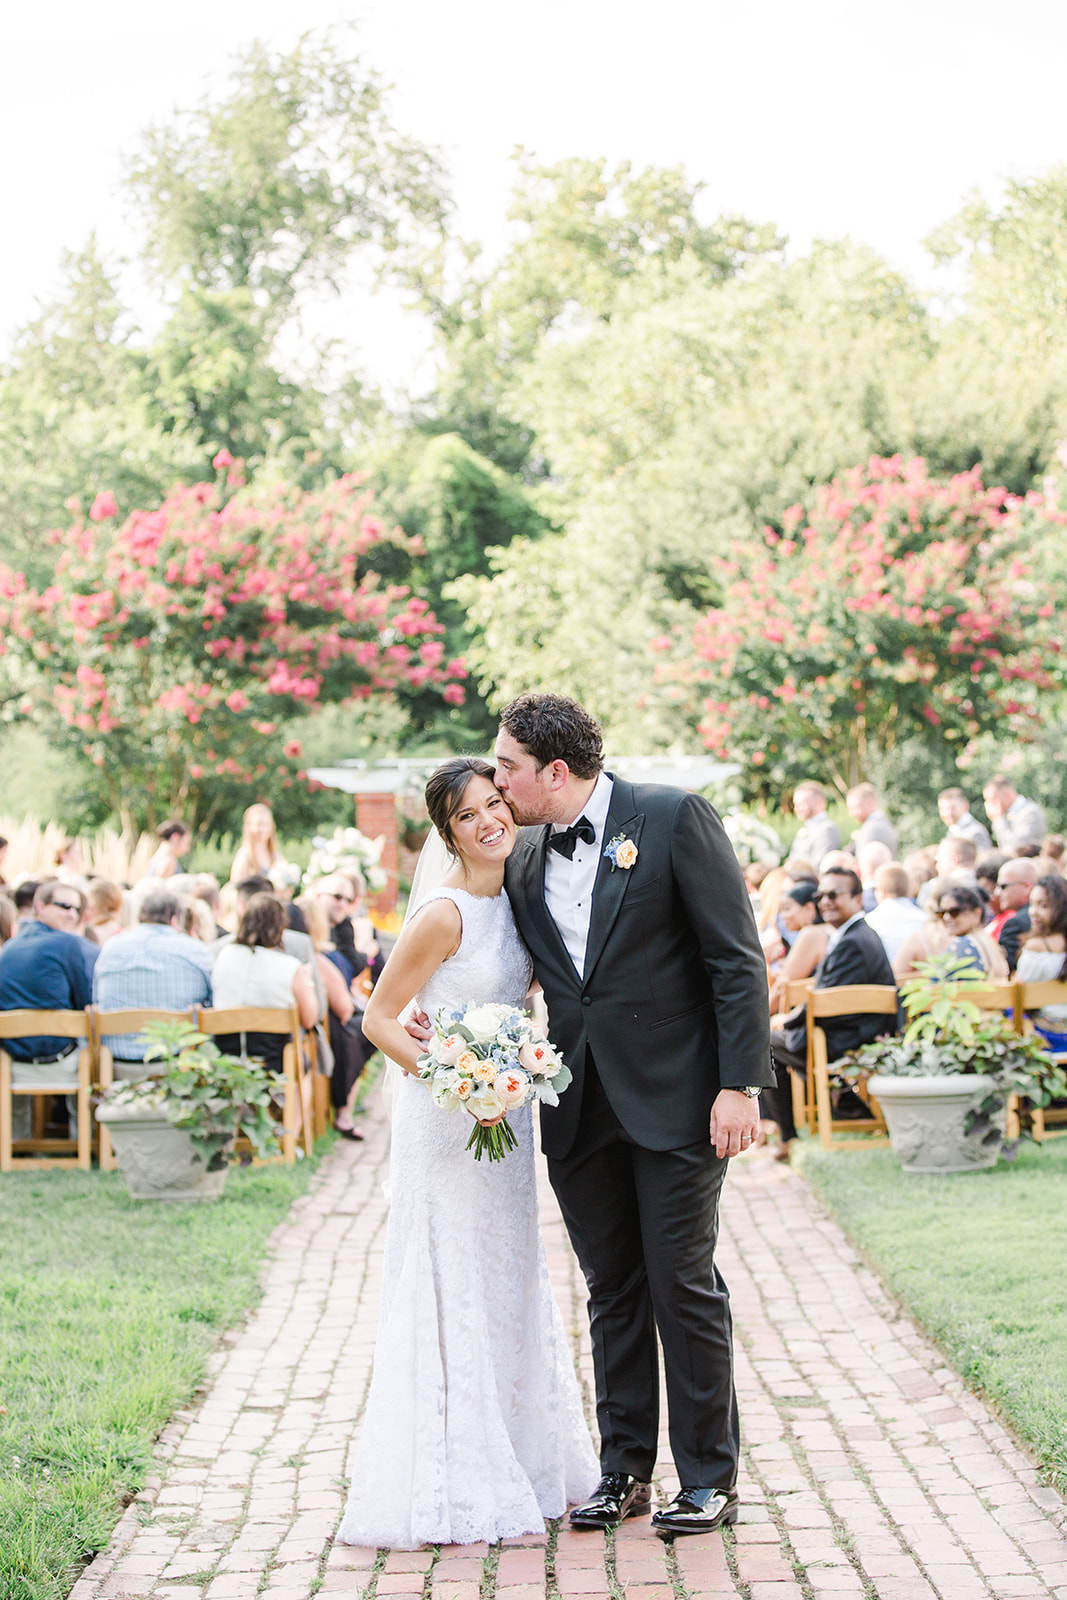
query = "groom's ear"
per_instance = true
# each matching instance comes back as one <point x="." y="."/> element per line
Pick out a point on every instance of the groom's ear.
<point x="558" y="772"/>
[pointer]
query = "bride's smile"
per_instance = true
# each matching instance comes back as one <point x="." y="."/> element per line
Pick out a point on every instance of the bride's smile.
<point x="482" y="824"/>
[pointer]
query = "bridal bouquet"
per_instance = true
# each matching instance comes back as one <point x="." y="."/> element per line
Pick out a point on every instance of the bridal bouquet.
<point x="488" y="1059"/>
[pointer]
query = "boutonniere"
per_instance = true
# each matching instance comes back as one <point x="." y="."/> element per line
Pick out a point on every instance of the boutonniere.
<point x="621" y="852"/>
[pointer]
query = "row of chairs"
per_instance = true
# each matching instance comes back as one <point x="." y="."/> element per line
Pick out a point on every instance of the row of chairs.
<point x="812" y="1098"/>
<point x="304" y="1109"/>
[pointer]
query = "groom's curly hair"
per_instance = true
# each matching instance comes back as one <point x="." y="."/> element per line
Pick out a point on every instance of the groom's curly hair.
<point x="553" y="728"/>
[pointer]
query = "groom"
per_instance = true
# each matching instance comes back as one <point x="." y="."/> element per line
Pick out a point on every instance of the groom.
<point x="634" y="909"/>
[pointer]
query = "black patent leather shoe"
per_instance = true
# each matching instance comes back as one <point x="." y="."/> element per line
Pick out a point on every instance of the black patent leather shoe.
<point x="697" y="1511"/>
<point x="616" y="1496"/>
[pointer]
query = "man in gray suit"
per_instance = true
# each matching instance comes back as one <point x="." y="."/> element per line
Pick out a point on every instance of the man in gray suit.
<point x="1016" y="820"/>
<point x="818" y="833"/>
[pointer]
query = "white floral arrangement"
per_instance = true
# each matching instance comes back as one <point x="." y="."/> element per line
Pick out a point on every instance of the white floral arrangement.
<point x="752" y="840"/>
<point x="488" y="1059"/>
<point x="348" y="847"/>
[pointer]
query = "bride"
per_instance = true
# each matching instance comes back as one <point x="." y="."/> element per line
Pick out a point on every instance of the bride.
<point x="474" y="1428"/>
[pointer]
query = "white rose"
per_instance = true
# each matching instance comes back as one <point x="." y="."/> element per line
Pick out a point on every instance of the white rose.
<point x="485" y="1103"/>
<point x="483" y="1022"/>
<point x="443" y="1091"/>
<point x="513" y="1088"/>
<point x="449" y="1049"/>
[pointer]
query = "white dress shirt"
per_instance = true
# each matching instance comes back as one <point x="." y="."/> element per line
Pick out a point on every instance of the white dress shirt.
<point x="569" y="884"/>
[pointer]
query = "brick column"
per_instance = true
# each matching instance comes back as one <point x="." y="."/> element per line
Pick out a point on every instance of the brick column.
<point x="375" y="816"/>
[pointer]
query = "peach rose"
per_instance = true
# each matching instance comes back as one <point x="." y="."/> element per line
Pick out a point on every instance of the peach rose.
<point x="513" y="1088"/>
<point x="450" y="1049"/>
<point x="538" y="1056"/>
<point x="626" y="854"/>
<point x="486" y="1071"/>
<point x="467" y="1062"/>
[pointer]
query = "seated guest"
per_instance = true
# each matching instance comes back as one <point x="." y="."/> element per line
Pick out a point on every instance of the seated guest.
<point x="69" y="866"/>
<point x="155" y="965"/>
<point x="895" y="914"/>
<point x="854" y="955"/>
<point x="356" y="953"/>
<point x="345" y="1036"/>
<point x="8" y="919"/>
<point x="954" y="809"/>
<point x="1052" y="848"/>
<point x="256" y="970"/>
<point x="1011" y="924"/>
<point x="175" y="837"/>
<point x="953" y="924"/>
<point x="818" y="831"/>
<point x="46" y="969"/>
<point x="24" y="896"/>
<point x="799" y="911"/>
<point x="1015" y="819"/>
<point x="105" y="907"/>
<point x="295" y="941"/>
<point x="865" y="808"/>
<point x="1043" y="956"/>
<point x="869" y="858"/>
<point x="956" y="859"/>
<point x="986" y="871"/>
<point x="919" y="865"/>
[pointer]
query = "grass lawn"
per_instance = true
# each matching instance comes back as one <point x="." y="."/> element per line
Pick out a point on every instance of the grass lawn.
<point x="979" y="1260"/>
<point x="108" y="1310"/>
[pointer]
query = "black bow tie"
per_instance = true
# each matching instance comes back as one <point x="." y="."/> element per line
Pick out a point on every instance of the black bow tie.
<point x="567" y="838"/>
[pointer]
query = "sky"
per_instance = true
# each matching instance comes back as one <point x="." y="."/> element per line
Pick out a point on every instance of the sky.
<point x="826" y="118"/>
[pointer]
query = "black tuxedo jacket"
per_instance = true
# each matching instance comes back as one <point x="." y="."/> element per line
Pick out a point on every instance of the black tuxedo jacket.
<point x="857" y="957"/>
<point x="673" y="997"/>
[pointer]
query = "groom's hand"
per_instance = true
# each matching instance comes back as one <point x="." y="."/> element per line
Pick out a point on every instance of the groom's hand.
<point x="734" y="1122"/>
<point x="418" y="1025"/>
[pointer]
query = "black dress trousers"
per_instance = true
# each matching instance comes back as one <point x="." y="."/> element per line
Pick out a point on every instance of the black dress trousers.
<point x="644" y="1225"/>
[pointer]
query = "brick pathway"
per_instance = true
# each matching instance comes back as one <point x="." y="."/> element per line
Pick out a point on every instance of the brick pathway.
<point x="869" y="1471"/>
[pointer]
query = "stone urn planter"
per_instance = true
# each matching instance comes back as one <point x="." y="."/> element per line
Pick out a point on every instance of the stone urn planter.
<point x="930" y="1121"/>
<point x="944" y="1086"/>
<point x="158" y="1160"/>
<point x="174" y="1134"/>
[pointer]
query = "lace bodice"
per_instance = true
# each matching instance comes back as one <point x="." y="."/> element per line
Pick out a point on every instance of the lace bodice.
<point x="491" y="964"/>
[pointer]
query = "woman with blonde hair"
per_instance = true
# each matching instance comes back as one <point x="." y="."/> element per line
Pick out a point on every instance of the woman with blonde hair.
<point x="258" y="855"/>
<point x="339" y="1000"/>
<point x="104" y="914"/>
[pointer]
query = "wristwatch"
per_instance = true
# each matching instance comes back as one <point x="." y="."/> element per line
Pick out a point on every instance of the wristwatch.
<point x="752" y="1092"/>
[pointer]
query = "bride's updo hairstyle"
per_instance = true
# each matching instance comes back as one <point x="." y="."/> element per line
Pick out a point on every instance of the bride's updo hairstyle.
<point x="446" y="788"/>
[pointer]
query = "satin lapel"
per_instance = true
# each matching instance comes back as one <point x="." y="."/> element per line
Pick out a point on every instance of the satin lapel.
<point x="609" y="891"/>
<point x="533" y="883"/>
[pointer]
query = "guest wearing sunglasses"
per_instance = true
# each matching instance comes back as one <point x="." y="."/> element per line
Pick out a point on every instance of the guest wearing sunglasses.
<point x="954" y="924"/>
<point x="854" y="954"/>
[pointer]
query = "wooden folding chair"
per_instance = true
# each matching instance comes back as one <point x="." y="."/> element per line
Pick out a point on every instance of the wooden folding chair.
<point x="297" y="1112"/>
<point x="118" y="1022"/>
<point x="320" y="1085"/>
<point x="795" y="993"/>
<point x="851" y="1000"/>
<point x="72" y="1074"/>
<point x="1035" y="997"/>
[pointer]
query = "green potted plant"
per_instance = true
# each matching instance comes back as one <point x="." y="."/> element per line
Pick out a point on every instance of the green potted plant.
<point x="174" y="1133"/>
<point x="944" y="1085"/>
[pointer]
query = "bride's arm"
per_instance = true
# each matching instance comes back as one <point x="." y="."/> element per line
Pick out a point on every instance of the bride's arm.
<point x="429" y="938"/>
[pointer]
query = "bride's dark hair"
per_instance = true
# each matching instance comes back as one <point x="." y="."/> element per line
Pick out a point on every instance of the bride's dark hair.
<point x="446" y="788"/>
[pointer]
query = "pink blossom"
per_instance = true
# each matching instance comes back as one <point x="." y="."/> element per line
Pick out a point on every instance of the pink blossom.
<point x="222" y="459"/>
<point x="103" y="507"/>
<point x="238" y="701"/>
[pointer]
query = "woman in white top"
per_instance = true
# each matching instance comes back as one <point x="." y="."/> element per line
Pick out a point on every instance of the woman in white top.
<point x="256" y="971"/>
<point x="1043" y="957"/>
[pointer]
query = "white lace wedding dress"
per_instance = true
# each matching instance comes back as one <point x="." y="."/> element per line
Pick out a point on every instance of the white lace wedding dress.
<point x="474" y="1426"/>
